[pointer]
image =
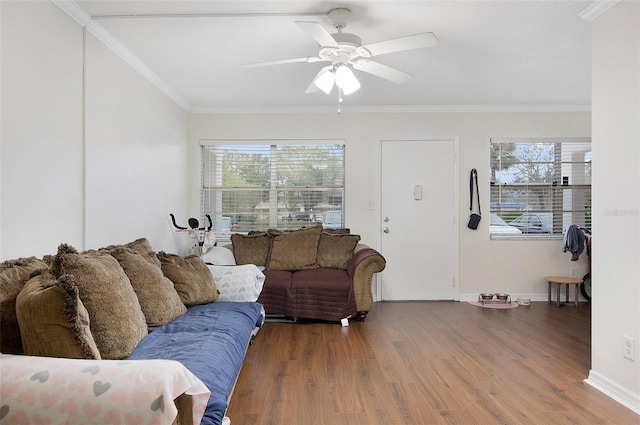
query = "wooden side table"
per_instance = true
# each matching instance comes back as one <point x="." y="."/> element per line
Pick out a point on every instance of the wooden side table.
<point x="562" y="280"/>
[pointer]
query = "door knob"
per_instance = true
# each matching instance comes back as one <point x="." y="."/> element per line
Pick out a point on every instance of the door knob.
<point x="386" y="230"/>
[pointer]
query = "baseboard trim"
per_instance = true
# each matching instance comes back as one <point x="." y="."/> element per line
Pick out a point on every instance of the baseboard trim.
<point x="614" y="391"/>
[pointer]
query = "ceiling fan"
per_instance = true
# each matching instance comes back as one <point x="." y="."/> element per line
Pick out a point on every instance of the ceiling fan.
<point x="343" y="50"/>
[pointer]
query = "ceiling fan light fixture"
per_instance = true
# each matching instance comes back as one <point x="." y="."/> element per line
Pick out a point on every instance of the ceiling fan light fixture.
<point x="346" y="80"/>
<point x="324" y="80"/>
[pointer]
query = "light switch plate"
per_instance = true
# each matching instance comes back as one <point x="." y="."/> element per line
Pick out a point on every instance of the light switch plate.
<point x="417" y="192"/>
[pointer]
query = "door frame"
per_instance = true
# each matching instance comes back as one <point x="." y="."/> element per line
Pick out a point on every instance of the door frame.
<point x="456" y="207"/>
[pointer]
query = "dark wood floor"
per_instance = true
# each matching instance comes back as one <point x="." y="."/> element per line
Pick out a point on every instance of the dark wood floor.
<point x="426" y="363"/>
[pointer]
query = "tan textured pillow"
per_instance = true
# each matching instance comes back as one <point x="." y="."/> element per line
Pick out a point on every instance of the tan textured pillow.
<point x="251" y="249"/>
<point x="295" y="250"/>
<point x="191" y="278"/>
<point x="141" y="245"/>
<point x="53" y="320"/>
<point x="158" y="298"/>
<point x="117" y="321"/>
<point x="340" y="231"/>
<point x="335" y="250"/>
<point x="13" y="275"/>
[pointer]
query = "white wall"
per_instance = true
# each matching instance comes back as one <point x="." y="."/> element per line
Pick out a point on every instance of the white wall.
<point x="515" y="267"/>
<point x="41" y="129"/>
<point x="616" y="202"/>
<point x="129" y="171"/>
<point x="136" y="155"/>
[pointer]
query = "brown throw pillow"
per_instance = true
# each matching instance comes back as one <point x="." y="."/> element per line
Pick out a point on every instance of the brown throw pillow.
<point x="158" y="298"/>
<point x="141" y="245"/>
<point x="117" y="321"/>
<point x="13" y="275"/>
<point x="251" y="249"/>
<point x="341" y="231"/>
<point x="335" y="250"/>
<point x="191" y="278"/>
<point x="295" y="250"/>
<point x="53" y="320"/>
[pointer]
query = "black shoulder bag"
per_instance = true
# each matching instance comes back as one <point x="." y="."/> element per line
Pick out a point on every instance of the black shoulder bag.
<point x="474" y="220"/>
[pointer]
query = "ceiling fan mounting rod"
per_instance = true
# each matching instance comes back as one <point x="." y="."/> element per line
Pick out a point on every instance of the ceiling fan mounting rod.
<point x="339" y="18"/>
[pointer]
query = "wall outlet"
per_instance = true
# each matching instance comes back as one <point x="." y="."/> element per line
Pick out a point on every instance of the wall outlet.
<point x="629" y="347"/>
<point x="573" y="272"/>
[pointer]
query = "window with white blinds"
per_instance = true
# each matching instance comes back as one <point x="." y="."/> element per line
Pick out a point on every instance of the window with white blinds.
<point x="539" y="186"/>
<point x="249" y="187"/>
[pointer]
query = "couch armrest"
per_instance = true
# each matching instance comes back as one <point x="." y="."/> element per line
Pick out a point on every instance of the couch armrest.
<point x="365" y="262"/>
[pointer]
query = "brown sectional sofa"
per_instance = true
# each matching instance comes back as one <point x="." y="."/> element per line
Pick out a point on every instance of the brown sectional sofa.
<point x="312" y="273"/>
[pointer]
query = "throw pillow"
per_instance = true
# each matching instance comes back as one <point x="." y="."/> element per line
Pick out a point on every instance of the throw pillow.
<point x="238" y="283"/>
<point x="141" y="245"/>
<point x="335" y="250"/>
<point x="340" y="231"/>
<point x="251" y="249"/>
<point x="117" y="321"/>
<point x="219" y="256"/>
<point x="13" y="275"/>
<point x="53" y="320"/>
<point x="190" y="277"/>
<point x="159" y="301"/>
<point x="295" y="250"/>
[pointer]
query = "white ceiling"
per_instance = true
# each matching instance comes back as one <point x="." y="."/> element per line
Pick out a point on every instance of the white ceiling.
<point x="491" y="53"/>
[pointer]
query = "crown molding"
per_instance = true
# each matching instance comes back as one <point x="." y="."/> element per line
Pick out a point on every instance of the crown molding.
<point x="211" y="15"/>
<point x="72" y="9"/>
<point x="388" y="109"/>
<point x="596" y="9"/>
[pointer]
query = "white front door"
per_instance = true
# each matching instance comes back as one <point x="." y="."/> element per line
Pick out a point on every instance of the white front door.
<point x="418" y="220"/>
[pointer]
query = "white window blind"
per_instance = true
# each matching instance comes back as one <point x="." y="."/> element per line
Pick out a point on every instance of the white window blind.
<point x="261" y="186"/>
<point x="540" y="186"/>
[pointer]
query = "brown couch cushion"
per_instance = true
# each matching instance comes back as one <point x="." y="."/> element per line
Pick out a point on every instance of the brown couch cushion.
<point x="53" y="320"/>
<point x="251" y="249"/>
<point x="117" y="321"/>
<point x="13" y="275"/>
<point x="191" y="278"/>
<point x="158" y="298"/>
<point x="295" y="250"/>
<point x="335" y="250"/>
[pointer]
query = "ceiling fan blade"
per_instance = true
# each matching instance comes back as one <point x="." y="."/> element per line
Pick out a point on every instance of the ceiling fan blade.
<point x="409" y="42"/>
<point x="309" y="59"/>
<point x="382" y="71"/>
<point x="319" y="34"/>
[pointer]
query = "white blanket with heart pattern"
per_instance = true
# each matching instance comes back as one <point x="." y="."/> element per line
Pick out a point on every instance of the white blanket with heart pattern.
<point x="48" y="390"/>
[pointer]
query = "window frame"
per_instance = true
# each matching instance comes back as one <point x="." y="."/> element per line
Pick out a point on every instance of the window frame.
<point x="567" y="193"/>
<point x="271" y="196"/>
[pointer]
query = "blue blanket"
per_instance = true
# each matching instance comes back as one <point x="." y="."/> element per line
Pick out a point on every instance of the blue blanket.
<point x="210" y="340"/>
